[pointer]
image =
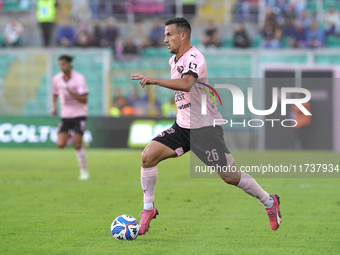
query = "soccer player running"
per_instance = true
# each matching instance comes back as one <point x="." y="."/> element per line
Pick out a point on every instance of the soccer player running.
<point x="187" y="67"/>
<point x="72" y="89"/>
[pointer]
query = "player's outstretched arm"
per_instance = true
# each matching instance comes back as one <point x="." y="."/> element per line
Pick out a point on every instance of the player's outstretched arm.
<point x="183" y="84"/>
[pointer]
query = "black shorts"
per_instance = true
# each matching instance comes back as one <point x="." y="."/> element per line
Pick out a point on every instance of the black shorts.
<point x="77" y="124"/>
<point x="207" y="143"/>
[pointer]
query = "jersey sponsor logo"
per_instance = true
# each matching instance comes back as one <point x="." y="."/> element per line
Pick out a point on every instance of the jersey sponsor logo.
<point x="180" y="69"/>
<point x="179" y="96"/>
<point x="184" y="106"/>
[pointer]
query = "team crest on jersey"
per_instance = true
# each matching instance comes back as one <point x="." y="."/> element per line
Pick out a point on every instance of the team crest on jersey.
<point x="180" y="69"/>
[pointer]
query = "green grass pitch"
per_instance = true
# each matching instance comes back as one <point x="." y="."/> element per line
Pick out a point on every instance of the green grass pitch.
<point x="44" y="209"/>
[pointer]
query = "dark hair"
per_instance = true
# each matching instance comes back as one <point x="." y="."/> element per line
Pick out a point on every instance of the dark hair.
<point x="180" y="23"/>
<point x="67" y="58"/>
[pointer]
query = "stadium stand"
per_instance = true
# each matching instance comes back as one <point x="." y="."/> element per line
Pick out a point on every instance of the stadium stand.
<point x="230" y="63"/>
<point x="17" y="5"/>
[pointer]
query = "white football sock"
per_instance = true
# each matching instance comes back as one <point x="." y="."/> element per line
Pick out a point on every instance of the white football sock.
<point x="82" y="160"/>
<point x="148" y="181"/>
<point x="148" y="206"/>
<point x="269" y="203"/>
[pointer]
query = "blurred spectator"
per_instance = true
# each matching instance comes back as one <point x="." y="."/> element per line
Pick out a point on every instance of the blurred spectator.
<point x="315" y="36"/>
<point x="211" y="37"/>
<point x="96" y="36"/>
<point x="298" y="40"/>
<point x="305" y="19"/>
<point x="109" y="8"/>
<point x="241" y="10"/>
<point x="133" y="96"/>
<point x="119" y="49"/>
<point x="66" y="34"/>
<point x="147" y="105"/>
<point x="94" y="7"/>
<point x="169" y="109"/>
<point x="273" y="43"/>
<point x="12" y="33"/>
<point x="268" y="31"/>
<point x="253" y="10"/>
<point x="266" y="43"/>
<point x="83" y="38"/>
<point x="300" y="6"/>
<point x="110" y="34"/>
<point x="153" y="105"/>
<point x="138" y="35"/>
<point x="105" y="9"/>
<point x="241" y="38"/>
<point x="331" y="21"/>
<point x="276" y="42"/>
<point x="270" y="22"/>
<point x="80" y="10"/>
<point x="128" y="111"/>
<point x="118" y="100"/>
<point x="46" y="16"/>
<point x="288" y="15"/>
<point x="289" y="28"/>
<point x="1" y="4"/>
<point x="156" y="35"/>
<point x="130" y="49"/>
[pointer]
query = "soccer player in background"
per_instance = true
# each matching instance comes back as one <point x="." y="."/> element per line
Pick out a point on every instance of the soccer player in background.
<point x="187" y="67"/>
<point x="72" y="89"/>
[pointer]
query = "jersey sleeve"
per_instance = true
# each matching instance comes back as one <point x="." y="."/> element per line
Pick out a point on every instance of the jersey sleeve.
<point x="55" y="90"/>
<point x="82" y="88"/>
<point x="191" y="65"/>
